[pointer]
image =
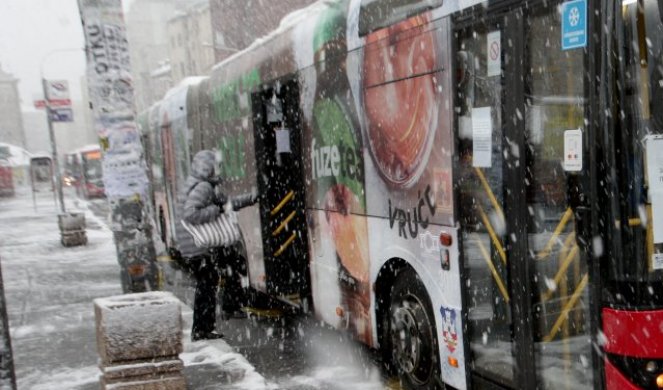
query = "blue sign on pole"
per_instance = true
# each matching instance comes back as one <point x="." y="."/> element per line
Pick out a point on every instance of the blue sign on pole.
<point x="62" y="114"/>
<point x="574" y="24"/>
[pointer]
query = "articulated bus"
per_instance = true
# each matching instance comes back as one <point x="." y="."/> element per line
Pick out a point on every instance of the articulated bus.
<point x="166" y="129"/>
<point x="82" y="169"/>
<point x="474" y="188"/>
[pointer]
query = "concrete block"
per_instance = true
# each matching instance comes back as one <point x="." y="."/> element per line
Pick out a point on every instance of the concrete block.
<point x="169" y="382"/>
<point x="159" y="366"/>
<point x="138" y="327"/>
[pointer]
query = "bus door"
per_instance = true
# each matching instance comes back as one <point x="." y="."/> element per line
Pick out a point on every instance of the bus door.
<point x="521" y="130"/>
<point x="278" y="132"/>
<point x="632" y="275"/>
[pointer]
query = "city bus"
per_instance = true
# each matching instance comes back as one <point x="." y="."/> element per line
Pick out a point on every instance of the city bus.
<point x="83" y="170"/>
<point x="473" y="188"/>
<point x="166" y="132"/>
<point x="6" y="178"/>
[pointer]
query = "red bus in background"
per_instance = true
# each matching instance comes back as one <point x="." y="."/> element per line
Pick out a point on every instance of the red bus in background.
<point x="6" y="179"/>
<point x="82" y="169"/>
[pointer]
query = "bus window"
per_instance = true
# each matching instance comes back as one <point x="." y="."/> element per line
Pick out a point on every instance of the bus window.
<point x="555" y="107"/>
<point x="92" y="165"/>
<point x="481" y="185"/>
<point x="377" y="14"/>
<point x="518" y="96"/>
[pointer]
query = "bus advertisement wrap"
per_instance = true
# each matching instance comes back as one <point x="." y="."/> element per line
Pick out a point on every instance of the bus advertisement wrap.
<point x="429" y="182"/>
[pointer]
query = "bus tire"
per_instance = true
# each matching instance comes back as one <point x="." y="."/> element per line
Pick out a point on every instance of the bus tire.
<point x="411" y="334"/>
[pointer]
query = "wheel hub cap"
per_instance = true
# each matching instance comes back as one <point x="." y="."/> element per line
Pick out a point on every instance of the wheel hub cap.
<point x="406" y="339"/>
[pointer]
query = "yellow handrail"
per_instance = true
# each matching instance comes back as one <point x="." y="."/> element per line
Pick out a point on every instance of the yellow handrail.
<point x="489" y="192"/>
<point x="493" y="270"/>
<point x="282" y="203"/>
<point x="562" y="269"/>
<point x="563" y="316"/>
<point x="285" y="245"/>
<point x="558" y="230"/>
<point x="492" y="234"/>
<point x="283" y="224"/>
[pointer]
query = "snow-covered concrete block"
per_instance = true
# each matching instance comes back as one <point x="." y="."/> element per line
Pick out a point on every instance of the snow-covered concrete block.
<point x="138" y="327"/>
<point x="166" y="382"/>
<point x="160" y="366"/>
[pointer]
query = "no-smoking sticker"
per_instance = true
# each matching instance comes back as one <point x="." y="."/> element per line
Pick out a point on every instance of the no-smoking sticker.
<point x="494" y="55"/>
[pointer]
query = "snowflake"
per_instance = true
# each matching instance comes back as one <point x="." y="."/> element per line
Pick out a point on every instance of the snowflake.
<point x="574" y="16"/>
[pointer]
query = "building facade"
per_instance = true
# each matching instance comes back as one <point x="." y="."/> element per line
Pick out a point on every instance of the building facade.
<point x="236" y="24"/>
<point x="191" y="43"/>
<point x="173" y="39"/>
<point x="11" y="119"/>
<point x="146" y="23"/>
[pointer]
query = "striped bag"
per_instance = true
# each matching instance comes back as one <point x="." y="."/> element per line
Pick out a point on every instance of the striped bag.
<point x="223" y="231"/>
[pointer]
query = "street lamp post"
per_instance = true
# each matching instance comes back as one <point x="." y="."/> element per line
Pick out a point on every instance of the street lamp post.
<point x="51" y="133"/>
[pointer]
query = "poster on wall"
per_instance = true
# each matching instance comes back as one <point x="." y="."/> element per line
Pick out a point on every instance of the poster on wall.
<point x="482" y="138"/>
<point x="111" y="93"/>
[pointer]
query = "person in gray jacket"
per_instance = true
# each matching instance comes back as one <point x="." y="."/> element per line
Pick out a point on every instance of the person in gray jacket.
<point x="202" y="201"/>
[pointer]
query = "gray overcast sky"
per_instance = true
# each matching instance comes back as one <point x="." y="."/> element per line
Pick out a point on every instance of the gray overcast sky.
<point x="29" y="30"/>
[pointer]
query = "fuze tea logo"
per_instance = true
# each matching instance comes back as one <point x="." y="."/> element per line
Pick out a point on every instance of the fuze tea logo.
<point x="335" y="151"/>
<point x="233" y="156"/>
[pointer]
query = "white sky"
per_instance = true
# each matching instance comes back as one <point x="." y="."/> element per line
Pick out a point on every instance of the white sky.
<point x="29" y="31"/>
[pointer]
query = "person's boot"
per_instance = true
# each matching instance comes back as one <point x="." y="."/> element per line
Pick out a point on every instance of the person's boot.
<point x="213" y="335"/>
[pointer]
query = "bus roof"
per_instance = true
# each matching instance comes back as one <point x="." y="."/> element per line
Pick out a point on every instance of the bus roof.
<point x="86" y="148"/>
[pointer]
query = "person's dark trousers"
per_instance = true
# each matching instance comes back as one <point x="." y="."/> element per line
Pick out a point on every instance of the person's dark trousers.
<point x="206" y="273"/>
<point x="233" y="267"/>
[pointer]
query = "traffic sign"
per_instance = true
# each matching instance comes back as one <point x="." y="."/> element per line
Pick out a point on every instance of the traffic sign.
<point x="494" y="48"/>
<point x="574" y="24"/>
<point x="60" y="114"/>
<point x="57" y="93"/>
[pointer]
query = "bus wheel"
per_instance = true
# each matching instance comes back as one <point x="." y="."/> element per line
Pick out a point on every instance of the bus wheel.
<point x="412" y="333"/>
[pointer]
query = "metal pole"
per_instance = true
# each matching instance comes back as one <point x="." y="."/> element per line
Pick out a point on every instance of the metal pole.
<point x="54" y="149"/>
<point x="56" y="164"/>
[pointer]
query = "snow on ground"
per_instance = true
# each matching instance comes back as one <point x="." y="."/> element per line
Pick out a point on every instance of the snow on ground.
<point x="230" y="367"/>
<point x="49" y="291"/>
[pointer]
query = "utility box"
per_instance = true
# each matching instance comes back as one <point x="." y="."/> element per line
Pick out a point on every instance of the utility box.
<point x="72" y="229"/>
<point x="139" y="339"/>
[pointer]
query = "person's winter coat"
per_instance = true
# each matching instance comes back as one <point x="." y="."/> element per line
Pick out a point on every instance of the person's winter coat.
<point x="202" y="201"/>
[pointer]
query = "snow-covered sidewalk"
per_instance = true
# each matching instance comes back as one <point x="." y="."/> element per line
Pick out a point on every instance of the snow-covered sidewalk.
<point x="49" y="291"/>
